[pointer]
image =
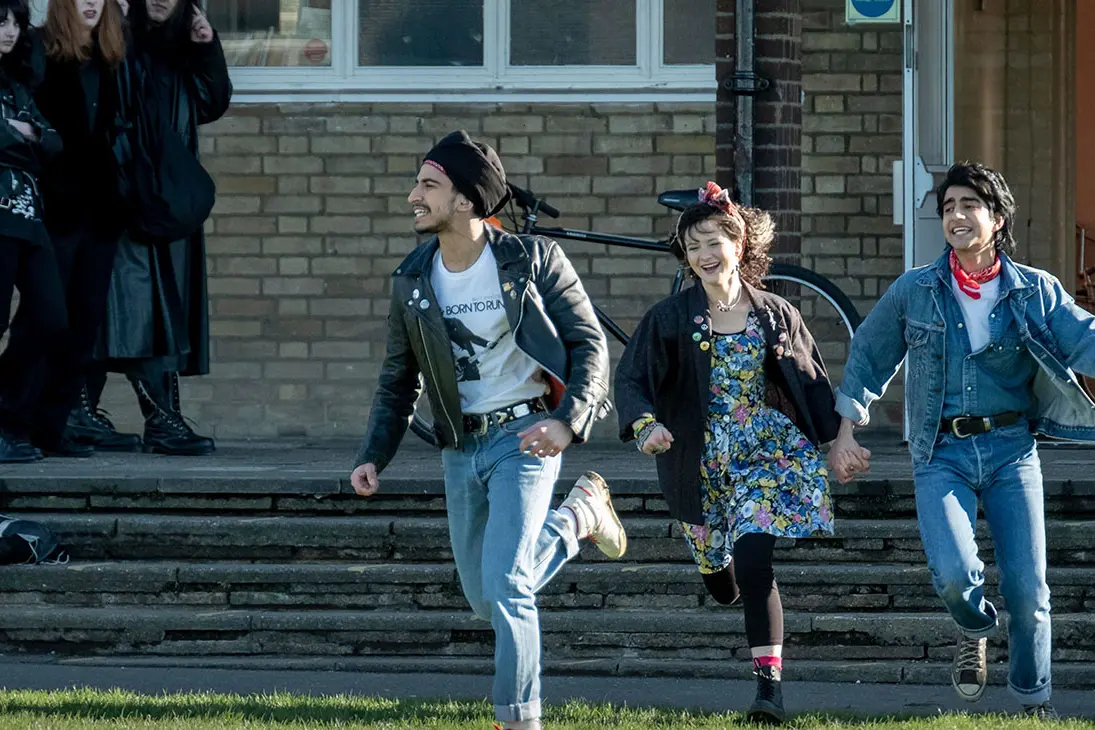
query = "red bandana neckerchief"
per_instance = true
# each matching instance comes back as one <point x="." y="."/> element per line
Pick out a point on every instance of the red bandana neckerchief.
<point x="970" y="284"/>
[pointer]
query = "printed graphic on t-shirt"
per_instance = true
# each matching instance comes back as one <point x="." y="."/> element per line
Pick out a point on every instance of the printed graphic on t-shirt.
<point x="491" y="371"/>
<point x="464" y="348"/>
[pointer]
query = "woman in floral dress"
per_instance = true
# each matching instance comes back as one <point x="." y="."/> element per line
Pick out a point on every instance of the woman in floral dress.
<point x="724" y="384"/>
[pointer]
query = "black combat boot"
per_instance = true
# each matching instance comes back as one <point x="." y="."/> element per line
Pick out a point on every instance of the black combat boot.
<point x="767" y="708"/>
<point x="165" y="430"/>
<point x="16" y="449"/>
<point x="89" y="425"/>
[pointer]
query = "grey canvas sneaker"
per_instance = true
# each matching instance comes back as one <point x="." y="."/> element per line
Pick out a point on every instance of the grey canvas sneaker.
<point x="969" y="673"/>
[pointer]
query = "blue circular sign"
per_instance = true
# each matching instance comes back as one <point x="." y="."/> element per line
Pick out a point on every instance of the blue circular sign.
<point x="873" y="8"/>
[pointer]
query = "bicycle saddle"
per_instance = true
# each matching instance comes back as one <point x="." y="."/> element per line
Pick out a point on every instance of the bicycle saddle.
<point x="679" y="199"/>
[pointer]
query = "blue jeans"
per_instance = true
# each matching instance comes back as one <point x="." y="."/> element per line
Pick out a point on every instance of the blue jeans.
<point x="507" y="544"/>
<point x="1002" y="468"/>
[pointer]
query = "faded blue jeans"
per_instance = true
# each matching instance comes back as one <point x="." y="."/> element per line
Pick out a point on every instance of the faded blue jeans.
<point x="508" y="544"/>
<point x="1003" y="470"/>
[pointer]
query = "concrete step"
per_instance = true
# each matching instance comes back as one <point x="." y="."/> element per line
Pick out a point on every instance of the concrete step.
<point x="134" y="535"/>
<point x="857" y="587"/>
<point x="570" y="634"/>
<point x="273" y="492"/>
<point x="893" y="671"/>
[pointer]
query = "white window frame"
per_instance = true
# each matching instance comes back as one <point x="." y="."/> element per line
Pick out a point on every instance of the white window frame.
<point x="650" y="79"/>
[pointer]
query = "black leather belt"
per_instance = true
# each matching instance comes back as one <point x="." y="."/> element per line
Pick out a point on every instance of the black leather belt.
<point x="965" y="426"/>
<point x="479" y="423"/>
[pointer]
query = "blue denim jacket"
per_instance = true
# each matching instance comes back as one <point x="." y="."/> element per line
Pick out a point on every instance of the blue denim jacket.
<point x="998" y="377"/>
<point x="909" y="321"/>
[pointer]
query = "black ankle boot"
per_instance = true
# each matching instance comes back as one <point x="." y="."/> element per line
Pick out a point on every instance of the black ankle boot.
<point x="172" y="380"/>
<point x="165" y="430"/>
<point x="767" y="708"/>
<point x="89" y="425"/>
<point x="15" y="449"/>
<point x="66" y="448"/>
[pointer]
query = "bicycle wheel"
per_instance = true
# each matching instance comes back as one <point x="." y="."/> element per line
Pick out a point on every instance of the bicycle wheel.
<point x="827" y="312"/>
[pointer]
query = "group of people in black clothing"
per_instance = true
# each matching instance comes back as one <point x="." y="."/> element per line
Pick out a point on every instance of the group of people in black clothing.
<point x="94" y="297"/>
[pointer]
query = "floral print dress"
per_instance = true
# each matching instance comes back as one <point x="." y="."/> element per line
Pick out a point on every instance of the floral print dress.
<point x="759" y="474"/>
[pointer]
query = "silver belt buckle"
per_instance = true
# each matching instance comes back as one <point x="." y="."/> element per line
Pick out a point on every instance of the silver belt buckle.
<point x="986" y="422"/>
<point x="521" y="410"/>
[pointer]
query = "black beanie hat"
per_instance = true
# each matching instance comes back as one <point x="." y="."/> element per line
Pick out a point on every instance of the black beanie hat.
<point x="474" y="169"/>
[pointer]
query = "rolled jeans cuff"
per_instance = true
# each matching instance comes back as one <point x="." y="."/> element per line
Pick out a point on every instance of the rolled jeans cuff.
<point x="564" y="527"/>
<point x="516" y="713"/>
<point x="989" y="610"/>
<point x="1032" y="696"/>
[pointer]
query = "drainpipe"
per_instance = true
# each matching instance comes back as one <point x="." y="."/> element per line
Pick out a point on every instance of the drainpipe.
<point x="744" y="87"/>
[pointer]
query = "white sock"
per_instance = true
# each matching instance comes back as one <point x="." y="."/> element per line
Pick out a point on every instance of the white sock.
<point x="571" y="518"/>
<point x="533" y="724"/>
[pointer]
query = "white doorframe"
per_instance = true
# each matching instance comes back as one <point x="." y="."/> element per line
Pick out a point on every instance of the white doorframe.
<point x="928" y="143"/>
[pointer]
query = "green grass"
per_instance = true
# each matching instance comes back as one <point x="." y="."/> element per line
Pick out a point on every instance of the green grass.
<point x="114" y="710"/>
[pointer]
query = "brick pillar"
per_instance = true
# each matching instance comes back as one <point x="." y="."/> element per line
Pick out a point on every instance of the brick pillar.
<point x="777" y="113"/>
<point x="725" y="105"/>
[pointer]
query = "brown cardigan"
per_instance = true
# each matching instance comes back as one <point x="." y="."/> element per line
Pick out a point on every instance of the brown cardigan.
<point x="665" y="372"/>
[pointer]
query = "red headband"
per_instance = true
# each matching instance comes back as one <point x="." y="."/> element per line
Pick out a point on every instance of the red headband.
<point x="711" y="194"/>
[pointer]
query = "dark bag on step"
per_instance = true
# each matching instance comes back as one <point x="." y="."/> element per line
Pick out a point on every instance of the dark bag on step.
<point x="167" y="191"/>
<point x="25" y="541"/>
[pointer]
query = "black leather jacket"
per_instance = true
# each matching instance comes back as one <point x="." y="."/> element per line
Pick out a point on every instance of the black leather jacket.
<point x="666" y="372"/>
<point x="552" y="321"/>
<point x="21" y="160"/>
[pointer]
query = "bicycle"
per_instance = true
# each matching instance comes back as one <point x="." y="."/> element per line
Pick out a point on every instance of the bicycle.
<point x="827" y="311"/>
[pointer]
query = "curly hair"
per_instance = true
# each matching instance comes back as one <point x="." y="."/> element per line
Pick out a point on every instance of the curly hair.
<point x="993" y="190"/>
<point x="17" y="63"/>
<point x="755" y="240"/>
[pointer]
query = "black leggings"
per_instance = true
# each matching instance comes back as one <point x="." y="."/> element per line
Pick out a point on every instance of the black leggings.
<point x="750" y="575"/>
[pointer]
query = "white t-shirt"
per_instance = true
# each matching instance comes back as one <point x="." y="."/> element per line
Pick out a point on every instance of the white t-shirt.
<point x="976" y="312"/>
<point x="491" y="372"/>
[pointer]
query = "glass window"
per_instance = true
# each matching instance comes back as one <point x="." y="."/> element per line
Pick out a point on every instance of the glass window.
<point x="421" y="33"/>
<point x="689" y="31"/>
<point x="572" y="33"/>
<point x="273" y="32"/>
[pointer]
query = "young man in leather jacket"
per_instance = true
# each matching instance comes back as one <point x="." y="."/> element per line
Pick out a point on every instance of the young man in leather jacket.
<point x="992" y="348"/>
<point x="516" y="369"/>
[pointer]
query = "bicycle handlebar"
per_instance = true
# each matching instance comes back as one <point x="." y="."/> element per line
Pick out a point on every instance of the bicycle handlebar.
<point x="528" y="201"/>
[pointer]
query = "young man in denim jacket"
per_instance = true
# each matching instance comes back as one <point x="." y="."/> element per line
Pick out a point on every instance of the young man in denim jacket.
<point x="993" y="349"/>
<point x="515" y="365"/>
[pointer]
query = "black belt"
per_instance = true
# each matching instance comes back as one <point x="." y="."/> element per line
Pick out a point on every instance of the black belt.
<point x="966" y="426"/>
<point x="479" y="423"/>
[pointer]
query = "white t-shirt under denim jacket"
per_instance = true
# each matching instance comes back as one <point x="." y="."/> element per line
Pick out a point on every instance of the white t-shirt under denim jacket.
<point x="491" y="371"/>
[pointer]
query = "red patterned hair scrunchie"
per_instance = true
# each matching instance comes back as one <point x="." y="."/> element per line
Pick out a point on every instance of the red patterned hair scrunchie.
<point x="717" y="197"/>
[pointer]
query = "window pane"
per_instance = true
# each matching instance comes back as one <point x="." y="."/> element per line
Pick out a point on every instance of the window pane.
<point x="572" y="33"/>
<point x="273" y="32"/>
<point x="421" y="33"/>
<point x="689" y="31"/>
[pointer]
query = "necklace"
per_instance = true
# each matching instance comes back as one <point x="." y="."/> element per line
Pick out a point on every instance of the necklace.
<point x="727" y="306"/>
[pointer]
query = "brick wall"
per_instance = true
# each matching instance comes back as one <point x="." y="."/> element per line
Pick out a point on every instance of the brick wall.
<point x="775" y="155"/>
<point x="852" y="132"/>
<point x="312" y="218"/>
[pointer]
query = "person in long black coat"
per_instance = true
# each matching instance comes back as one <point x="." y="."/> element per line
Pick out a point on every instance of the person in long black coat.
<point x="157" y="322"/>
<point x="84" y="48"/>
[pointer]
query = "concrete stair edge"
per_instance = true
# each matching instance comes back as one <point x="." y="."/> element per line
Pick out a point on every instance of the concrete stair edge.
<point x="1066" y="674"/>
<point x="137" y="575"/>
